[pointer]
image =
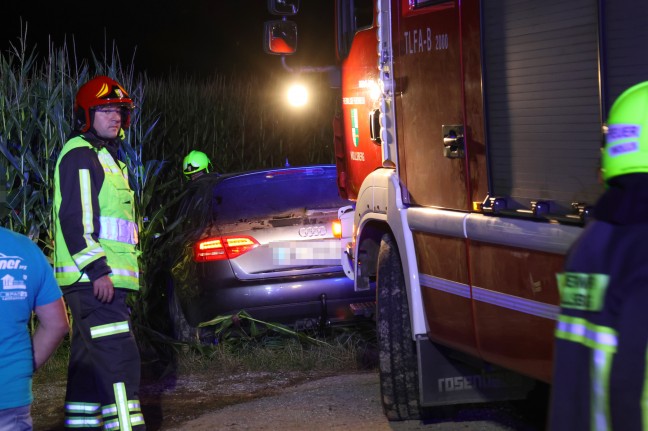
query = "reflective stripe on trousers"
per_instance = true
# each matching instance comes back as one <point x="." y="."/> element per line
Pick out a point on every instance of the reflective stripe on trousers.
<point x="602" y="341"/>
<point x="82" y="415"/>
<point x="128" y="413"/>
<point x="109" y="329"/>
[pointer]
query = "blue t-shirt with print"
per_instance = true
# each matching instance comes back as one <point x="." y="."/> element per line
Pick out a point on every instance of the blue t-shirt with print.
<point x="26" y="281"/>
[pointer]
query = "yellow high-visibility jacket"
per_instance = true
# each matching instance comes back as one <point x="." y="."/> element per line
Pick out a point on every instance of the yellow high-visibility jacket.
<point x="91" y="225"/>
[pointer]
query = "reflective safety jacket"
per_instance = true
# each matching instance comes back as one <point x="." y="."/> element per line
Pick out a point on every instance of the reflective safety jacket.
<point x="96" y="223"/>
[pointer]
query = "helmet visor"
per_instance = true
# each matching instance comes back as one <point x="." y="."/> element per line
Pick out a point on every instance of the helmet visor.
<point x="188" y="168"/>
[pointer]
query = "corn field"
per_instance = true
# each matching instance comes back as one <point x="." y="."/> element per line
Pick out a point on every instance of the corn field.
<point x="237" y="122"/>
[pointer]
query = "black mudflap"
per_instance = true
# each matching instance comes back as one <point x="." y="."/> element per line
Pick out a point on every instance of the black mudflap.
<point x="445" y="379"/>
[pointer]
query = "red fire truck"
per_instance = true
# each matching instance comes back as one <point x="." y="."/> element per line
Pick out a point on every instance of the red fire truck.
<point x="469" y="138"/>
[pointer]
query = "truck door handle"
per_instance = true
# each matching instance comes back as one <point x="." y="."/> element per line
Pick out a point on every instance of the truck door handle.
<point x="453" y="141"/>
<point x="374" y="125"/>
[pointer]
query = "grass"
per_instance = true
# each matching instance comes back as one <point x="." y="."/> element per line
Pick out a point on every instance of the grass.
<point x="349" y="348"/>
<point x="55" y="369"/>
<point x="244" y="343"/>
<point x="289" y="355"/>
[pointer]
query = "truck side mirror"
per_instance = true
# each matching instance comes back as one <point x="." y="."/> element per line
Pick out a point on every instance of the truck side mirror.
<point x="283" y="7"/>
<point x="280" y="37"/>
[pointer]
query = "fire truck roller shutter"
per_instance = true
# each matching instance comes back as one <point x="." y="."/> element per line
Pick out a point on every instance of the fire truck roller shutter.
<point x="542" y="100"/>
<point x="625" y="37"/>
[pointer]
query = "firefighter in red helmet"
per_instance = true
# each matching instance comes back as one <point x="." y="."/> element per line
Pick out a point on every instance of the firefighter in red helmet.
<point x="95" y="261"/>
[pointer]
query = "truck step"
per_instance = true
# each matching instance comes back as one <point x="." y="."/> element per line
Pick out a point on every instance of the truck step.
<point x="365" y="309"/>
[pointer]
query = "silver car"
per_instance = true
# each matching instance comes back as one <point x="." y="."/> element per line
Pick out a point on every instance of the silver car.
<point x="264" y="242"/>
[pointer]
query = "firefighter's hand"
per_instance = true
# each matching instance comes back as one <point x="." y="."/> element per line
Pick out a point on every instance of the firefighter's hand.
<point x="103" y="289"/>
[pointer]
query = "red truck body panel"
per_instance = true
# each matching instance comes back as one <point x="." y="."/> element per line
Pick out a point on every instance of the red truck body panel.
<point x="478" y="176"/>
<point x="356" y="154"/>
<point x="527" y="85"/>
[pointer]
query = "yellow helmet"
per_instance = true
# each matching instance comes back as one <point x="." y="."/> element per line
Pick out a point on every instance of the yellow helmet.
<point x="626" y="139"/>
<point x="195" y="161"/>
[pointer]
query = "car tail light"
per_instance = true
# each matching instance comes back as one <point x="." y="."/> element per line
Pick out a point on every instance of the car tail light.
<point x="221" y="248"/>
<point x="336" y="228"/>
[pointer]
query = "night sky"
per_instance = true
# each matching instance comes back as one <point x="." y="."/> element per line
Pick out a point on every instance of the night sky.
<point x="196" y="37"/>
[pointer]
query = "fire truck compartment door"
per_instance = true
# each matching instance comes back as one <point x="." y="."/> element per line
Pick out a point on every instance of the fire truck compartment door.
<point x="430" y="108"/>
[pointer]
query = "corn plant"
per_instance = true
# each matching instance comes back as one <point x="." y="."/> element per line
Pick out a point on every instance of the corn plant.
<point x="35" y="103"/>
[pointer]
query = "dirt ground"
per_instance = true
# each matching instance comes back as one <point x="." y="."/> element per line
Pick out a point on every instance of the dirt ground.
<point x="348" y="402"/>
<point x="171" y="401"/>
<point x="281" y="401"/>
<point x="288" y="400"/>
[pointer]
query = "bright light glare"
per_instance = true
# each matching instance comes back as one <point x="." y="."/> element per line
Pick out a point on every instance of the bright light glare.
<point x="297" y="95"/>
<point x="374" y="91"/>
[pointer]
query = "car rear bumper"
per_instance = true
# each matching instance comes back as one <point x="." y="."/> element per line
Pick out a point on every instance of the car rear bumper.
<point x="284" y="301"/>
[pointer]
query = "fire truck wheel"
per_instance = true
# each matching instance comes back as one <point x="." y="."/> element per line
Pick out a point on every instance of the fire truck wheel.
<point x="398" y="366"/>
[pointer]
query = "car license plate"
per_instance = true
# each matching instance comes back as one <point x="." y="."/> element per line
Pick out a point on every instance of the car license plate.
<point x="306" y="253"/>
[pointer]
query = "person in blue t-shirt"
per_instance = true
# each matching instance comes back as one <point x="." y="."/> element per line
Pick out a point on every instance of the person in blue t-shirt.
<point x="27" y="285"/>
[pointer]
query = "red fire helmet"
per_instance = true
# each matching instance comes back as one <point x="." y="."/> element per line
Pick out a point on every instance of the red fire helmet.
<point x="100" y="91"/>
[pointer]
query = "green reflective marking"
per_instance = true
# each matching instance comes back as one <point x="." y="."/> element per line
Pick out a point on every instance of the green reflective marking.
<point x="582" y="291"/>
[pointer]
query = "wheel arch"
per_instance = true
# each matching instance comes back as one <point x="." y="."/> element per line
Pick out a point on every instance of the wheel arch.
<point x="367" y="248"/>
<point x="384" y="212"/>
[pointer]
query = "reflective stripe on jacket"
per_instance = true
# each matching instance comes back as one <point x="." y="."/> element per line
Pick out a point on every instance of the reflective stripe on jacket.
<point x="117" y="236"/>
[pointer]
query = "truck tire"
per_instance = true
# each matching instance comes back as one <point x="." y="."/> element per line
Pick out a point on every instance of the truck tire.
<point x="399" y="385"/>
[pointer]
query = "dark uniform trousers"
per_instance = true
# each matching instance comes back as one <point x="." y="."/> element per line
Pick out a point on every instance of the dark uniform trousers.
<point x="600" y="381"/>
<point x="104" y="369"/>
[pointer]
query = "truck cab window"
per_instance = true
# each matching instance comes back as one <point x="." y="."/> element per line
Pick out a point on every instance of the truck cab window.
<point x="353" y="16"/>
